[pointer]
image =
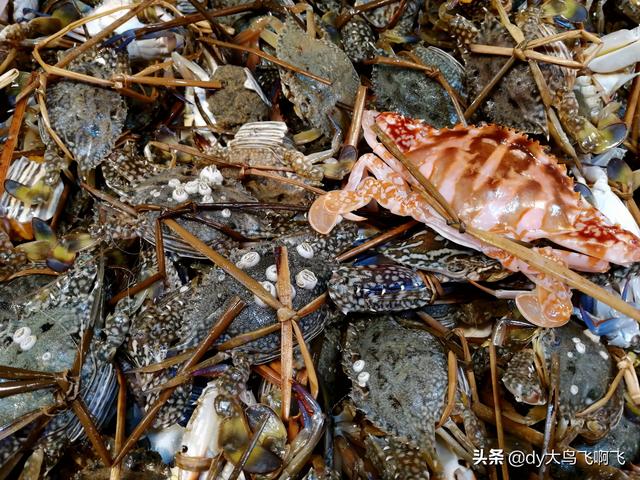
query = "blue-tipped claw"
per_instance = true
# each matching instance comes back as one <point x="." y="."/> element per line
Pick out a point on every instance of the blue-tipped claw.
<point x="618" y="171"/>
<point x="600" y="327"/>
<point x="42" y="231"/>
<point x="308" y="405"/>
<point x="58" y="265"/>
<point x="122" y="40"/>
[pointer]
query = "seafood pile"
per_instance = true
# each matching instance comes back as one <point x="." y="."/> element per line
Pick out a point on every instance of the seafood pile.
<point x="369" y="239"/>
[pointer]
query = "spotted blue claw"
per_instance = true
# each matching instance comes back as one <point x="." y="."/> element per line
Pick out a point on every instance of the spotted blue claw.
<point x="378" y="288"/>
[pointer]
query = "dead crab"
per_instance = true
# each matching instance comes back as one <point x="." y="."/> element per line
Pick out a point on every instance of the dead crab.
<point x="483" y="154"/>
<point x="266" y="144"/>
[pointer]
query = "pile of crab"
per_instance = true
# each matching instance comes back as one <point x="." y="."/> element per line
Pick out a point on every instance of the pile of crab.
<point x="262" y="240"/>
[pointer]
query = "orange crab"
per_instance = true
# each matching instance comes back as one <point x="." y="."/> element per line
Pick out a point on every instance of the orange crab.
<point x="496" y="180"/>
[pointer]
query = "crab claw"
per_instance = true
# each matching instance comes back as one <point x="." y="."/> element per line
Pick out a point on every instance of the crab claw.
<point x="594" y="140"/>
<point x="303" y="445"/>
<point x="309" y="407"/>
<point x="586" y="192"/>
<point x="549" y="305"/>
<point x="532" y="309"/>
<point x="59" y="265"/>
<point x="321" y="219"/>
<point x="599" y="327"/>
<point x="611" y="82"/>
<point x="45" y="25"/>
<point x="211" y="371"/>
<point x="122" y="39"/>
<point x="569" y="10"/>
<point x="147" y="47"/>
<point x="618" y="171"/>
<point x="42" y="231"/>
<point x="36" y="250"/>
<point x="31" y="195"/>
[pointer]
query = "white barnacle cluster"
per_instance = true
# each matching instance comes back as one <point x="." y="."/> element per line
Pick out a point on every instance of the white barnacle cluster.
<point x="201" y="187"/>
<point x="580" y="347"/>
<point x="362" y="376"/>
<point x="24" y="338"/>
<point x="304" y="279"/>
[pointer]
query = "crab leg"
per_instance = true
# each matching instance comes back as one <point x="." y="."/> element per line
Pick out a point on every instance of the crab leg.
<point x="8" y="389"/>
<point x="581" y="262"/>
<point x="594" y="237"/>
<point x="10" y="428"/>
<point x="327" y="210"/>
<point x="14" y="373"/>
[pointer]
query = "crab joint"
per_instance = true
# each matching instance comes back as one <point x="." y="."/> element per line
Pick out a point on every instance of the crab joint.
<point x="630" y="377"/>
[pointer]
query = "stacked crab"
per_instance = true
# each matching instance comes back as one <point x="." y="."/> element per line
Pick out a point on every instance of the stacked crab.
<point x="360" y="239"/>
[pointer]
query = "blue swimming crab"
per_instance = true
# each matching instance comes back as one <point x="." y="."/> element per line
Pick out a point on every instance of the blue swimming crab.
<point x="387" y="286"/>
<point x="87" y="119"/>
<point x="43" y="380"/>
<point x="586" y="372"/>
<point x="389" y="365"/>
<point x="311" y="257"/>
<point x="182" y="318"/>
<point x="313" y="101"/>
<point x="220" y="212"/>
